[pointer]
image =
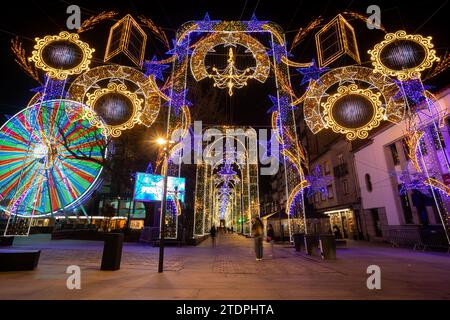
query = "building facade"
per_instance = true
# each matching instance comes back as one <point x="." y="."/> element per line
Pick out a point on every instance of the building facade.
<point x="393" y="210"/>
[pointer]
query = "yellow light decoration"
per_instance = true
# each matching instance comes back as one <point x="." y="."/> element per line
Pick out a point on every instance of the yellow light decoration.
<point x="123" y="35"/>
<point x="22" y="61"/>
<point x="438" y="185"/>
<point x="294" y="64"/>
<point x="412" y="140"/>
<point x="58" y="72"/>
<point x="345" y="39"/>
<point x="392" y="101"/>
<point x="230" y="77"/>
<point x="113" y="88"/>
<point x="146" y="88"/>
<point x="405" y="72"/>
<point x="237" y="78"/>
<point x="297" y="189"/>
<point x="90" y="22"/>
<point x="361" y="132"/>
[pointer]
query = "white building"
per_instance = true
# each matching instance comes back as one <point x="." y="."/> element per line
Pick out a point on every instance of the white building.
<point x="387" y="213"/>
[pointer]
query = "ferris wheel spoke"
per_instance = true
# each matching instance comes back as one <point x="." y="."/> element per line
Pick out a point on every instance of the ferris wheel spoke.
<point x="36" y="170"/>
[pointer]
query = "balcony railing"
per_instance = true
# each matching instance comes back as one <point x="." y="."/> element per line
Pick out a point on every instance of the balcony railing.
<point x="340" y="170"/>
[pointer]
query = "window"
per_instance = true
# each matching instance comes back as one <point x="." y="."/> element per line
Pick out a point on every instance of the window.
<point x="394" y="154"/>
<point x="345" y="183"/>
<point x="316" y="197"/>
<point x="368" y="182"/>
<point x="330" y="191"/>
<point x="407" y="213"/>
<point x="376" y="222"/>
<point x="326" y="166"/>
<point x="322" y="196"/>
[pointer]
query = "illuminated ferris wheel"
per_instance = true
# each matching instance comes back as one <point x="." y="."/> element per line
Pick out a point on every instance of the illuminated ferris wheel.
<point x="50" y="159"/>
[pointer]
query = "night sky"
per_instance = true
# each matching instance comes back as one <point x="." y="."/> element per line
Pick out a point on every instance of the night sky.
<point x="30" y="19"/>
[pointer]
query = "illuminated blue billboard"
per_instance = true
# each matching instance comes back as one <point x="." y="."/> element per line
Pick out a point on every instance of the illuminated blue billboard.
<point x="149" y="187"/>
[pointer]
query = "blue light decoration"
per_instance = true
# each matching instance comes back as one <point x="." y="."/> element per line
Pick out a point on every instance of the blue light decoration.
<point x="52" y="89"/>
<point x="283" y="102"/>
<point x="412" y="181"/>
<point x="279" y="51"/>
<point x="311" y="73"/>
<point x="154" y="68"/>
<point x="226" y="172"/>
<point x="178" y="100"/>
<point x="206" y="24"/>
<point x="180" y="50"/>
<point x="318" y="183"/>
<point x="254" y="24"/>
<point x="149" y="168"/>
<point x="413" y="90"/>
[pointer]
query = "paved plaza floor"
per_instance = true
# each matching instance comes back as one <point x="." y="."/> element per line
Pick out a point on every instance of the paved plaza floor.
<point x="228" y="271"/>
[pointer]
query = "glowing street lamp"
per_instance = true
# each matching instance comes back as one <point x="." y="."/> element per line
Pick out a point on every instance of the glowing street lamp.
<point x="165" y="143"/>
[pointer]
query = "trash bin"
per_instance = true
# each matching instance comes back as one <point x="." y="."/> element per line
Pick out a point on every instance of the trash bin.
<point x="112" y="251"/>
<point x="299" y="241"/>
<point x="6" y="241"/>
<point x="327" y="245"/>
<point x="312" y="244"/>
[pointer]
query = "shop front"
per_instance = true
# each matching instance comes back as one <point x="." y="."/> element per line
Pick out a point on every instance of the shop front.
<point x="342" y="223"/>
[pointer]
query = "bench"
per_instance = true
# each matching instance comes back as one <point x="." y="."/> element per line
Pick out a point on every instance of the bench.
<point x="18" y="260"/>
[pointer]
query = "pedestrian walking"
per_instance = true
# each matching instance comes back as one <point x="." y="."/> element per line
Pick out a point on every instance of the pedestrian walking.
<point x="212" y="233"/>
<point x="258" y="233"/>
<point x="271" y="237"/>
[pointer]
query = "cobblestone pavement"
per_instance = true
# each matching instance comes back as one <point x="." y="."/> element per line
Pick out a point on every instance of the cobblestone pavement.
<point x="228" y="271"/>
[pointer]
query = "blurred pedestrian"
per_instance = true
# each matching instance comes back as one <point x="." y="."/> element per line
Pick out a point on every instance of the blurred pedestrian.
<point x="258" y="233"/>
<point x="212" y="233"/>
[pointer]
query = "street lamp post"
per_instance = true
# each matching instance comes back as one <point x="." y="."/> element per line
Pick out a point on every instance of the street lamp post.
<point x="165" y="143"/>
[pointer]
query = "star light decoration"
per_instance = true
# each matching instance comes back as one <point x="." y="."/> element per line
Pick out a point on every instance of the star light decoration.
<point x="312" y="72"/>
<point x="318" y="183"/>
<point x="284" y="103"/>
<point x="227" y="173"/>
<point x="154" y="68"/>
<point x="254" y="24"/>
<point x="279" y="51"/>
<point x="206" y="24"/>
<point x="180" y="50"/>
<point x="178" y="100"/>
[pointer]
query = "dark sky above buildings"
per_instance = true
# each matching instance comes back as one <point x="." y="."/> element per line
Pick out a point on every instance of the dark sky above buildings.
<point x="30" y="19"/>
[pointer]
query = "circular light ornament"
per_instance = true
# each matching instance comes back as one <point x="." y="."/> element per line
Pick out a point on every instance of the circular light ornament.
<point x="50" y="158"/>
<point x="61" y="55"/>
<point x="113" y="109"/>
<point x="353" y="111"/>
<point x="145" y="88"/>
<point x="392" y="105"/>
<point x="403" y="56"/>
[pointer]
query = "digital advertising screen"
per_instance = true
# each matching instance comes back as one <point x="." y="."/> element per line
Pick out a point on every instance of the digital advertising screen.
<point x="149" y="187"/>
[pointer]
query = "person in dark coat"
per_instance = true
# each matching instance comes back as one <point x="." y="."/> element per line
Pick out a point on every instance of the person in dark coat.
<point x="271" y="237"/>
<point x="258" y="233"/>
<point x="213" y="232"/>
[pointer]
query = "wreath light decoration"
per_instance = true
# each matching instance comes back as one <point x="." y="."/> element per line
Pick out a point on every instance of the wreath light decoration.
<point x="58" y="73"/>
<point x="406" y="73"/>
<point x="94" y="119"/>
<point x="361" y="132"/>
